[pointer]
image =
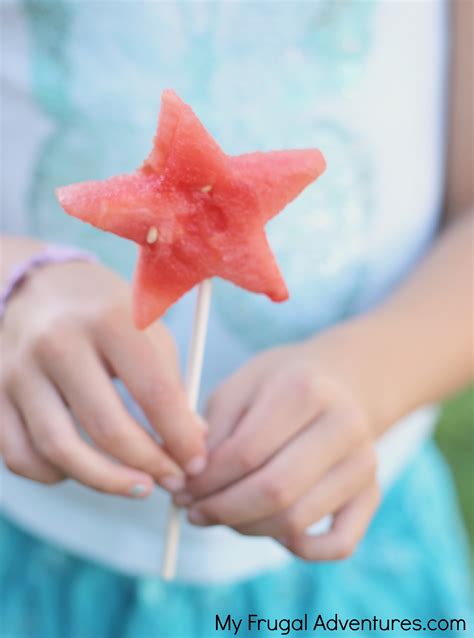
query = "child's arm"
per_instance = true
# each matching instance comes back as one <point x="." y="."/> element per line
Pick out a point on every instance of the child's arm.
<point x="421" y="338"/>
<point x="416" y="348"/>
<point x="293" y="431"/>
<point x="66" y="334"/>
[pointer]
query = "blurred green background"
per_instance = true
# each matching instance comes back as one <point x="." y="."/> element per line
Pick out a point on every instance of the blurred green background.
<point x="455" y="437"/>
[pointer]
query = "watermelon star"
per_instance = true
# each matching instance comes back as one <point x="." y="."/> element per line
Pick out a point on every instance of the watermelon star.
<point x="194" y="211"/>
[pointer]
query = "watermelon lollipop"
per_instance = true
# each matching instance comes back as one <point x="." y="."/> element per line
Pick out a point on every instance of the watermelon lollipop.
<point x="195" y="213"/>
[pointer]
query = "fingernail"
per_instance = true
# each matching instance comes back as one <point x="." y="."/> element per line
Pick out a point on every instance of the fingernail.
<point x="172" y="483"/>
<point x="197" y="518"/>
<point x="196" y="465"/>
<point x="183" y="499"/>
<point x="139" y="490"/>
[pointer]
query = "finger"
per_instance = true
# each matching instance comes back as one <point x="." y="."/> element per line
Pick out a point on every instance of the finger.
<point x="228" y="404"/>
<point x="339" y="486"/>
<point x="144" y="367"/>
<point x="54" y="435"/>
<point x="285" y="406"/>
<point x="282" y="481"/>
<point x="18" y="452"/>
<point x="348" y="528"/>
<point x="88" y="390"/>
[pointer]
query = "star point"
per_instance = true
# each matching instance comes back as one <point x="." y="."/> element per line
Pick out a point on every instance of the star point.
<point x="194" y="211"/>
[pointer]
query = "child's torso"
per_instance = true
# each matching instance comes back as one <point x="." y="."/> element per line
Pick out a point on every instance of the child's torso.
<point x="362" y="81"/>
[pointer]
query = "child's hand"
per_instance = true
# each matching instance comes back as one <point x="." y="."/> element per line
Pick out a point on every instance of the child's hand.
<point x="290" y="444"/>
<point x="66" y="333"/>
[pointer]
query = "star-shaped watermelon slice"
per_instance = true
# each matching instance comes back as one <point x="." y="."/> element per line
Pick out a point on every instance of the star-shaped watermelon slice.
<point x="194" y="211"/>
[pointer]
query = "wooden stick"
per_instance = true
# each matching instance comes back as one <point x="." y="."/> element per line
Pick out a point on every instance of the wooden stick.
<point x="193" y="382"/>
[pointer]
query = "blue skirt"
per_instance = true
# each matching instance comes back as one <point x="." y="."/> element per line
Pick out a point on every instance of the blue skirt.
<point x="413" y="564"/>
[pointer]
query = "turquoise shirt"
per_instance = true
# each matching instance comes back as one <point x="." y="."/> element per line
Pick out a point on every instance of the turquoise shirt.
<point x="362" y="81"/>
<point x="261" y="75"/>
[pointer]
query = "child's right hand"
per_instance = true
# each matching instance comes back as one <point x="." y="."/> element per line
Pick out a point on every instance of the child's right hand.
<point x="66" y="333"/>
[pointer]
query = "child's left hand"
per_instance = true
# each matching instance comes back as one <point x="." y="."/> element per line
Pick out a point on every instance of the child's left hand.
<point x="290" y="444"/>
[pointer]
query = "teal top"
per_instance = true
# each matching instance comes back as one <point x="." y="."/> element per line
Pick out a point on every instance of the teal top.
<point x="261" y="75"/>
<point x="362" y="81"/>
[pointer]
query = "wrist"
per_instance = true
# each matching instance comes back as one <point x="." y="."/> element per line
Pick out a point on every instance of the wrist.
<point x="36" y="262"/>
<point x="358" y="353"/>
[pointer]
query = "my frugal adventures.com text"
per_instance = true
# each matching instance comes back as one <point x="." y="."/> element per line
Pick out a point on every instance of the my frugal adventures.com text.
<point x="318" y="624"/>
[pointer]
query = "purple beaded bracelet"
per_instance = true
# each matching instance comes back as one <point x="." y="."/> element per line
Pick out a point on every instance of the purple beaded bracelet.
<point x="51" y="254"/>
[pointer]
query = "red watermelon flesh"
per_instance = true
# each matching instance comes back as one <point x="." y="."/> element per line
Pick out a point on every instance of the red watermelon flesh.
<point x="282" y="175"/>
<point x="183" y="149"/>
<point x="194" y="211"/>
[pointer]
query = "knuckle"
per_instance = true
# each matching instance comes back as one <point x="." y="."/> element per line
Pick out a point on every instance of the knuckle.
<point x="55" y="449"/>
<point x="108" y="438"/>
<point x="12" y="377"/>
<point x="277" y="492"/>
<point x="148" y="395"/>
<point x="103" y="429"/>
<point x="247" y="459"/>
<point x="344" y="547"/>
<point x="54" y="341"/>
<point x="354" y="423"/>
<point x="109" y="320"/>
<point x="108" y="316"/>
<point x="302" y="382"/>
<point x="41" y="343"/>
<point x="158" y="392"/>
<point x="214" y="515"/>
<point x="217" y="518"/>
<point x="15" y="462"/>
<point x="293" y="523"/>
<point x="52" y="478"/>
<point x="300" y="548"/>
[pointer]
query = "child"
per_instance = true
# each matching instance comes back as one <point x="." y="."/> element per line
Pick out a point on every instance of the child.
<point x="307" y="399"/>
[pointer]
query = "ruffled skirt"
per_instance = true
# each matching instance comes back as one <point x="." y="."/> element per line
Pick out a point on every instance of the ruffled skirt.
<point x="413" y="564"/>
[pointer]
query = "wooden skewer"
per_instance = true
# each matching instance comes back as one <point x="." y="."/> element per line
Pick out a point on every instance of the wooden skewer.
<point x="193" y="382"/>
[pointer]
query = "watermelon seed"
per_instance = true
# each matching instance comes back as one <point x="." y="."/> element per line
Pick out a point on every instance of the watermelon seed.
<point x="152" y="235"/>
<point x="206" y="189"/>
